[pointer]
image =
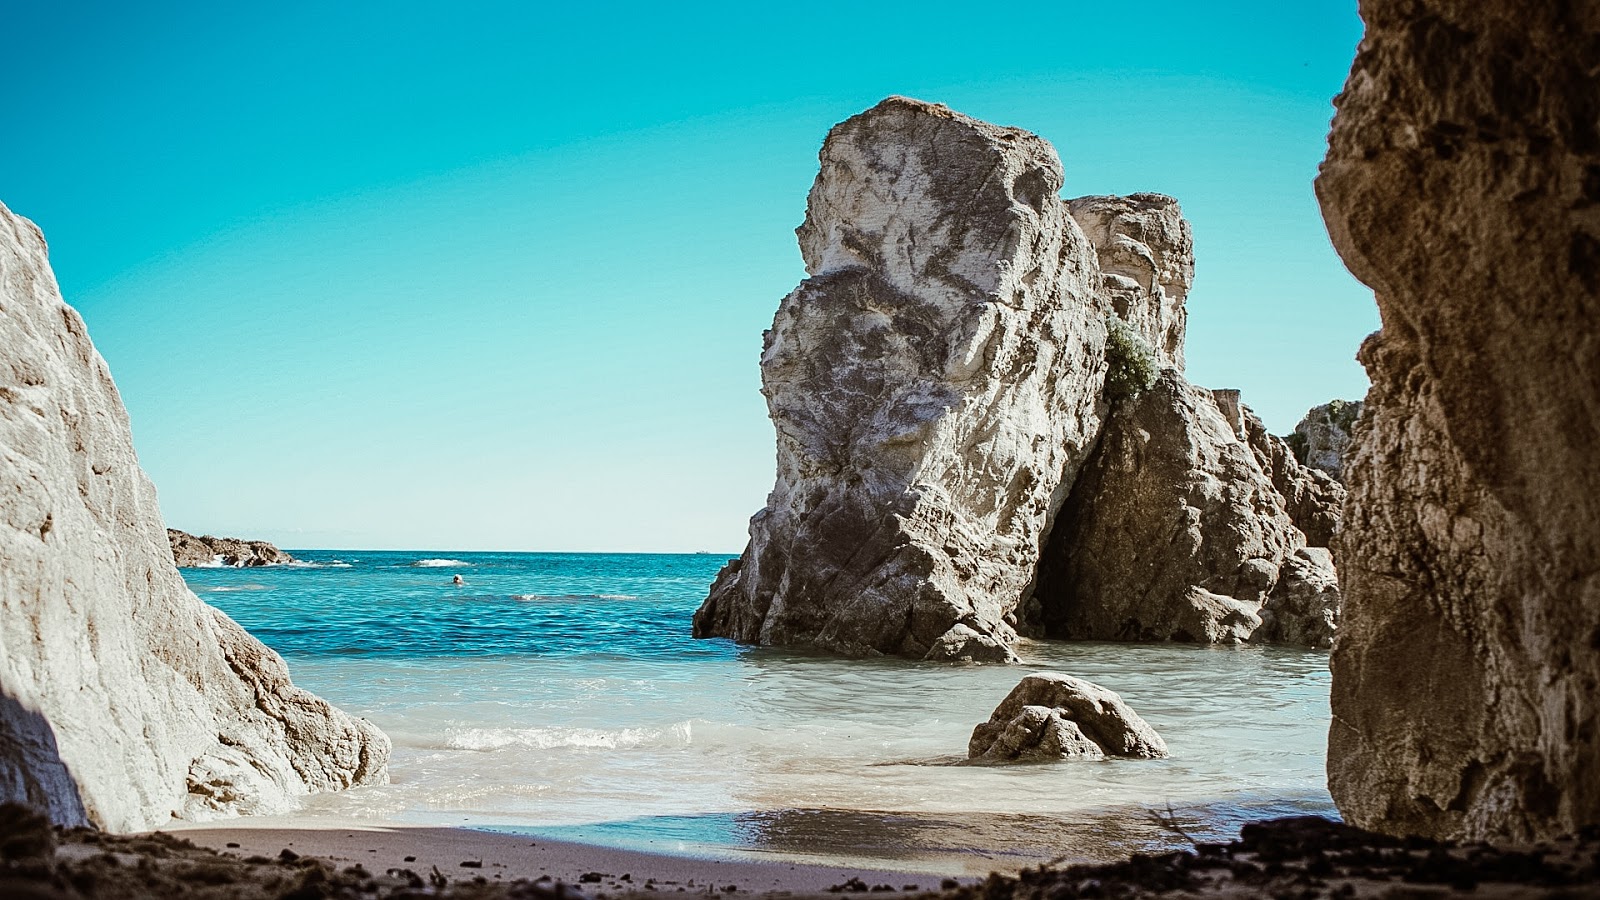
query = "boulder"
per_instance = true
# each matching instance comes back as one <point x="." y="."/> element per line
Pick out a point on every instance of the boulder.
<point x="124" y="700"/>
<point x="1462" y="183"/>
<point x="1305" y="605"/>
<point x="189" y="551"/>
<point x="1050" y="716"/>
<point x="934" y="383"/>
<point x="1172" y="532"/>
<point x="1321" y="438"/>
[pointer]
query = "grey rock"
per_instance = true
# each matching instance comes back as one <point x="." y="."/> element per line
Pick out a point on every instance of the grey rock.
<point x="1146" y="255"/>
<point x="1049" y="715"/>
<point x="1313" y="499"/>
<point x="1461" y="184"/>
<point x="124" y="700"/>
<point x="205" y="550"/>
<point x="1172" y="532"/>
<point x="934" y="383"/>
<point x="1321" y="438"/>
<point x="1305" y="605"/>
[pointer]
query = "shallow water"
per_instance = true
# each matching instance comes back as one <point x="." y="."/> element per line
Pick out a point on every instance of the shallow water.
<point x="561" y="694"/>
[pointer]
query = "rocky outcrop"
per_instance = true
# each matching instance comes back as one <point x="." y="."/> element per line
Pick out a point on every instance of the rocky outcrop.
<point x="934" y="383"/>
<point x="190" y="551"/>
<point x="1173" y="532"/>
<point x="1462" y="184"/>
<point x="1321" y="438"/>
<point x="124" y="700"/>
<point x="1313" y="499"/>
<point x="1146" y="258"/>
<point x="1049" y="716"/>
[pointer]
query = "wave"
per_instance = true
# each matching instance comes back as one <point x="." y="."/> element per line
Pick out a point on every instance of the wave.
<point x="679" y="734"/>
<point x="230" y="588"/>
<point x="438" y="563"/>
<point x="307" y="564"/>
<point x="562" y="598"/>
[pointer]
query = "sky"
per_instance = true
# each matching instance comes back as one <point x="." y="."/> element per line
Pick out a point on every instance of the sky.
<point x="494" y="275"/>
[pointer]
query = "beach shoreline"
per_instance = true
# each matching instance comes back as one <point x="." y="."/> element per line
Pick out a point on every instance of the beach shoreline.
<point x="465" y="854"/>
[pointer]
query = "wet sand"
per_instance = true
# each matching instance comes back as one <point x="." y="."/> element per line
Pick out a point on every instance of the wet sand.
<point x="462" y="855"/>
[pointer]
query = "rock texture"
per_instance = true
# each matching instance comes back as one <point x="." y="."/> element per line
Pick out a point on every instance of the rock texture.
<point x="1173" y="532"/>
<point x="1050" y="716"/>
<point x="1321" y="438"/>
<point x="1146" y="258"/>
<point x="1313" y="499"/>
<point x="124" y="700"/>
<point x="1462" y="184"/>
<point x="934" y="383"/>
<point x="188" y="551"/>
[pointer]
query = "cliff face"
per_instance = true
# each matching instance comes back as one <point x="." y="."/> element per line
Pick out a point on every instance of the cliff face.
<point x="188" y="550"/>
<point x="933" y="384"/>
<point x="1322" y="437"/>
<point x="124" y="700"/>
<point x="1462" y="184"/>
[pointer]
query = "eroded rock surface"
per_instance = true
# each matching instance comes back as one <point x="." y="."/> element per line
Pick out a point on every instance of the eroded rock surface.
<point x="1313" y="499"/>
<point x="124" y="700"/>
<point x="205" y="550"/>
<point x="1049" y="715"/>
<point x="1462" y="184"/>
<point x="1321" y="438"/>
<point x="1146" y="255"/>
<point x="933" y="384"/>
<point x="1173" y="532"/>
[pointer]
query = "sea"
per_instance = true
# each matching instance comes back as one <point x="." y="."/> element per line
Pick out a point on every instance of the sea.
<point x="562" y="695"/>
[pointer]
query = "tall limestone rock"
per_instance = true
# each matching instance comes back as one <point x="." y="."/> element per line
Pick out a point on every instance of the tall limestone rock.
<point x="1462" y="184"/>
<point x="124" y="700"/>
<point x="1146" y="255"/>
<point x="1323" y="435"/>
<point x="934" y="384"/>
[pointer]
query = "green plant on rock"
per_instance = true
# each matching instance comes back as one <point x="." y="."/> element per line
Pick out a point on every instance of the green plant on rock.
<point x="1131" y="365"/>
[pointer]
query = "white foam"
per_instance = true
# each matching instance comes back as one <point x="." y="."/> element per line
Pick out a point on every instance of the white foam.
<point x="564" y="598"/>
<point x="679" y="734"/>
<point x="306" y="564"/>
<point x="438" y="563"/>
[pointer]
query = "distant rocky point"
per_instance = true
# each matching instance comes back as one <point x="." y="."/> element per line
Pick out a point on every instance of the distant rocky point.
<point x="189" y="551"/>
<point x="1323" y="436"/>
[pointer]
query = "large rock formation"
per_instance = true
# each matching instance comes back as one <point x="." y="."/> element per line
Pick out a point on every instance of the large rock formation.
<point x="1321" y="438"/>
<point x="934" y="383"/>
<point x="124" y="700"/>
<point x="205" y="550"/>
<point x="1049" y="716"/>
<point x="1463" y="185"/>
<point x="1173" y="531"/>
<point x="1313" y="499"/>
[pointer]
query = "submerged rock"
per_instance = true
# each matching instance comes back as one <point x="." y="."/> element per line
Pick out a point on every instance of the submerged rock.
<point x="933" y="385"/>
<point x="1322" y="437"/>
<point x="189" y="550"/>
<point x="124" y="700"/>
<point x="1173" y="532"/>
<point x="1049" y="715"/>
<point x="1462" y="183"/>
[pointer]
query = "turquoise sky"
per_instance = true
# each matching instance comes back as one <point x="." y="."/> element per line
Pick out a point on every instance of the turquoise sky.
<point x="494" y="276"/>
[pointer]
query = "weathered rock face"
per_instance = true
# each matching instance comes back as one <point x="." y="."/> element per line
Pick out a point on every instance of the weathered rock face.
<point x="1172" y="532"/>
<point x="1146" y="258"/>
<point x="1049" y="715"/>
<point x="189" y="550"/>
<point x="933" y="384"/>
<point x="1463" y="185"/>
<point x="1320" y="440"/>
<point x="1313" y="499"/>
<point x="124" y="700"/>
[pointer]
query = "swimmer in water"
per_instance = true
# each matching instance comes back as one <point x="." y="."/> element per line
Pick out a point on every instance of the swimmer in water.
<point x="457" y="580"/>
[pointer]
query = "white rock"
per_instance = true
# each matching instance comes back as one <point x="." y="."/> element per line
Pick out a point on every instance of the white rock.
<point x="124" y="700"/>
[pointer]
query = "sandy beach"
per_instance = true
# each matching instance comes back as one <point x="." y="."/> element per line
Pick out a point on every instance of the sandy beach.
<point x="463" y="854"/>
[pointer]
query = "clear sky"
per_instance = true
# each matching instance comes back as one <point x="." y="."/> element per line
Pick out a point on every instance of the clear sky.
<point x="494" y="276"/>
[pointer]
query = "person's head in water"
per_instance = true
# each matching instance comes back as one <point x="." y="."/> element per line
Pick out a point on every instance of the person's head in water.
<point x="458" y="580"/>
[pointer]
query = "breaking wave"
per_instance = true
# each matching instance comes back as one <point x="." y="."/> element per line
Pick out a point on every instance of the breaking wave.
<point x="679" y="734"/>
<point x="546" y="598"/>
<point x="438" y="563"/>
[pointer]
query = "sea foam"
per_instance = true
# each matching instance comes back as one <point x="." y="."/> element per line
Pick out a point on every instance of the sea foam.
<point x="438" y="563"/>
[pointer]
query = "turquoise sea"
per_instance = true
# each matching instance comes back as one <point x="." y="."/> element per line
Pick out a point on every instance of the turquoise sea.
<point x="561" y="694"/>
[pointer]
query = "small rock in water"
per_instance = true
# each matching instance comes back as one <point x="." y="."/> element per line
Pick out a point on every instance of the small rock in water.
<point x="1050" y="716"/>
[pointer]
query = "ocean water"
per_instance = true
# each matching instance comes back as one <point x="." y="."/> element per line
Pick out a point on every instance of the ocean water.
<point x="561" y="694"/>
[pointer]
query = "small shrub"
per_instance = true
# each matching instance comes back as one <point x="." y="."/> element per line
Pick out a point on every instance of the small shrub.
<point x="1131" y="366"/>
